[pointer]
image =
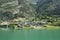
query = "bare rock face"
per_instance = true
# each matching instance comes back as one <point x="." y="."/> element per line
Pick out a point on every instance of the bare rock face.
<point x="10" y="6"/>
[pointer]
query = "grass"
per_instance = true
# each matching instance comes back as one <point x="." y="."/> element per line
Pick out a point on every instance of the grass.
<point x="49" y="27"/>
<point x="52" y="27"/>
<point x="28" y="28"/>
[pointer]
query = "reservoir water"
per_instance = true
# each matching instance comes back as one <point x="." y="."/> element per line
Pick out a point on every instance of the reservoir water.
<point x="30" y="35"/>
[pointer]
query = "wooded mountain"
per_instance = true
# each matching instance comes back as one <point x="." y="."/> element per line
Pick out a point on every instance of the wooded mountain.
<point x="10" y="9"/>
<point x="48" y="7"/>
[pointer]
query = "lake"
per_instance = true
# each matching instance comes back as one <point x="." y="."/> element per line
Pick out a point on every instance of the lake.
<point x="32" y="34"/>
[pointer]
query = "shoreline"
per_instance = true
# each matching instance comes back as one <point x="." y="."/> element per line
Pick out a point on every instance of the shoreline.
<point x="28" y="28"/>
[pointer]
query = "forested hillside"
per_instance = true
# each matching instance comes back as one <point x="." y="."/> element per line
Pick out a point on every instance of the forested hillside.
<point x="47" y="11"/>
<point x="50" y="10"/>
<point x="48" y="7"/>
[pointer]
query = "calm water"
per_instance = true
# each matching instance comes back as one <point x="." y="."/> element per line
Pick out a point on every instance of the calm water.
<point x="30" y="35"/>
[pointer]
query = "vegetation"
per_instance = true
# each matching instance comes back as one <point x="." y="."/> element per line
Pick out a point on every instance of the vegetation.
<point x="30" y="14"/>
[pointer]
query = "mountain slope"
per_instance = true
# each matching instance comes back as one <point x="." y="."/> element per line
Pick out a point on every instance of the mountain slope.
<point x="15" y="9"/>
<point x="48" y="7"/>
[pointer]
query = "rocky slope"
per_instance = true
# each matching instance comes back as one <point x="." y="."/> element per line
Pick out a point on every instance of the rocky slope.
<point x="11" y="9"/>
